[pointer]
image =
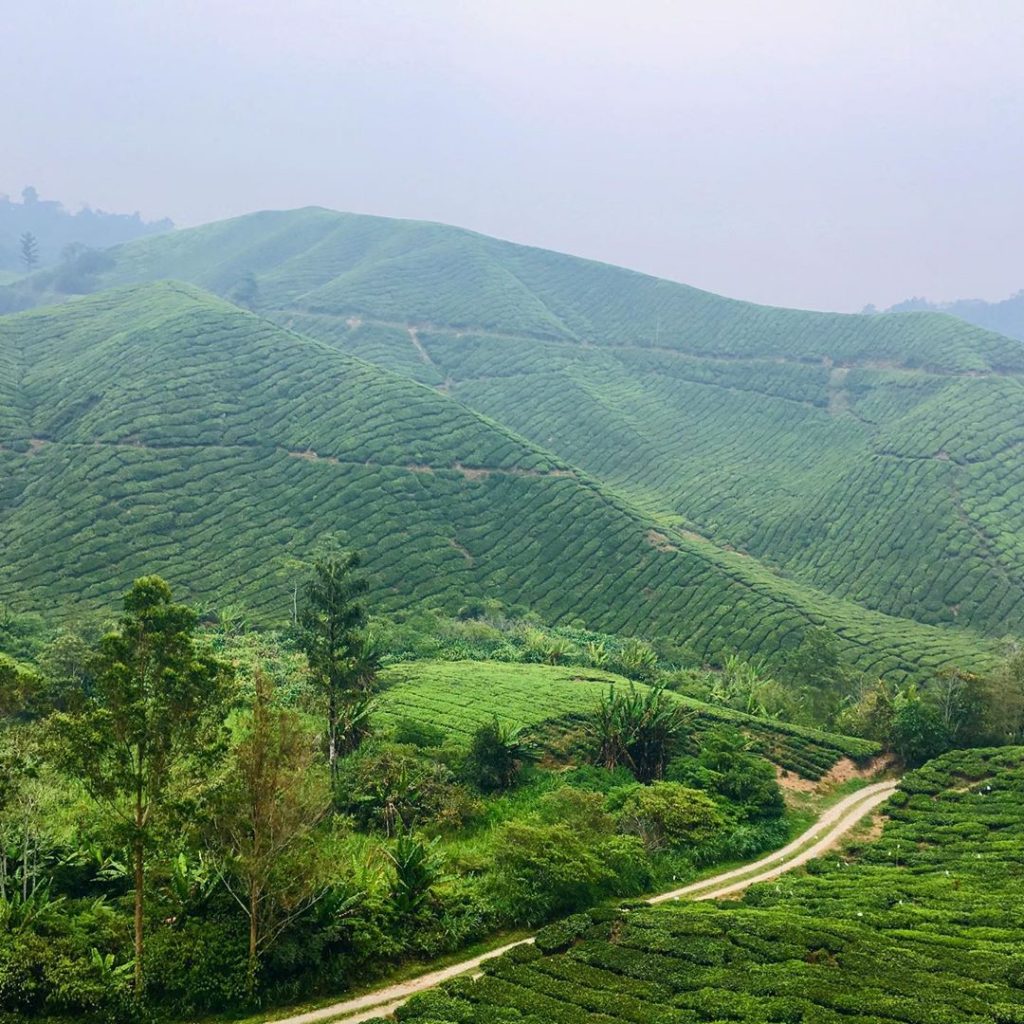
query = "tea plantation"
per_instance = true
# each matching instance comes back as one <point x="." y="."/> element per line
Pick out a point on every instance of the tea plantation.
<point x="872" y="457"/>
<point x="158" y="428"/>
<point x="851" y="479"/>
<point x="458" y="697"/>
<point x="921" y="926"/>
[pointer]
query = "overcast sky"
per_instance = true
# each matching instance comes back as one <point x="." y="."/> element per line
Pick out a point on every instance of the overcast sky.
<point x="821" y="154"/>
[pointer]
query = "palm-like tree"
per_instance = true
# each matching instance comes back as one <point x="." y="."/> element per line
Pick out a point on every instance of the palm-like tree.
<point x="637" y="728"/>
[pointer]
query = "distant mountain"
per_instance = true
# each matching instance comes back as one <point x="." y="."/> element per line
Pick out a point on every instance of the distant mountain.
<point x="1006" y="316"/>
<point x="680" y="463"/>
<point x="55" y="229"/>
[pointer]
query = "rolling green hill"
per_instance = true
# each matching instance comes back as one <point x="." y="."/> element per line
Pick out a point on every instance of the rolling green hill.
<point x="874" y="458"/>
<point x="158" y="428"/>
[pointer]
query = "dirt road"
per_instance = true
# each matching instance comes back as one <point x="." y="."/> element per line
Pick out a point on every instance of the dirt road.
<point x="823" y="834"/>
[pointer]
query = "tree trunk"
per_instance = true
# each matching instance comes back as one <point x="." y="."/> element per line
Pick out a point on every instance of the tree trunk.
<point x="332" y="734"/>
<point x="24" y="865"/>
<point x="139" y="881"/>
<point x="254" y="935"/>
<point x="138" y="856"/>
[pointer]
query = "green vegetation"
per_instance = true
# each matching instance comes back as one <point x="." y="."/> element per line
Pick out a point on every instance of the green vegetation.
<point x="159" y="428"/>
<point x="146" y="718"/>
<point x="633" y="548"/>
<point x="921" y="925"/>
<point x="342" y="662"/>
<point x="460" y="697"/>
<point x="197" y="820"/>
<point x="194" y="820"/>
<point x="848" y="478"/>
<point x="843" y="451"/>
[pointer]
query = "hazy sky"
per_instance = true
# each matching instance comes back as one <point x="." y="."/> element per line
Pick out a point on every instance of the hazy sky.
<point x="822" y="154"/>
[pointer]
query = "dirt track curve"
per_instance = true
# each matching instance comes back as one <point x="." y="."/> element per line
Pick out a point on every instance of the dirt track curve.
<point x="823" y="834"/>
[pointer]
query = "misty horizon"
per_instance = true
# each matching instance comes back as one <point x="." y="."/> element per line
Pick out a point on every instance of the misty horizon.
<point x="799" y="157"/>
<point x="910" y="303"/>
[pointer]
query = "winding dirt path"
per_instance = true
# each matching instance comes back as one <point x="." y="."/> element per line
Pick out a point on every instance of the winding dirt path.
<point x="823" y="834"/>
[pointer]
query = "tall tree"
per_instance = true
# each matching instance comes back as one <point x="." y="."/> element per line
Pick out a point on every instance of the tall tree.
<point x="19" y="768"/>
<point x="155" y="705"/>
<point x="29" y="250"/>
<point x="918" y="732"/>
<point x="959" y="702"/>
<point x="331" y="627"/>
<point x="266" y="813"/>
<point x="816" y="668"/>
<point x="1003" y="695"/>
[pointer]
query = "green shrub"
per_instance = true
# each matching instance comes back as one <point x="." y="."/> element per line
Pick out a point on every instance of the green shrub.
<point x="723" y="767"/>
<point x="582" y="810"/>
<point x="199" y="967"/>
<point x="495" y="757"/>
<point x="543" y="870"/>
<point x="562" y="934"/>
<point x="410" y="732"/>
<point x="390" y="788"/>
<point x="667" y="815"/>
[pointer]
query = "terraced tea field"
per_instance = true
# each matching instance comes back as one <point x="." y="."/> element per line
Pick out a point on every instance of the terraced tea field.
<point x="922" y="926"/>
<point x="161" y="429"/>
<point x="872" y="457"/>
<point x="850" y="479"/>
<point x="460" y="696"/>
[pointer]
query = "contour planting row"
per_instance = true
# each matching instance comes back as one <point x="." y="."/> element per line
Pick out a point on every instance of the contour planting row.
<point x="428" y="273"/>
<point x="384" y="345"/>
<point x="412" y="272"/>
<point x="853" y="515"/>
<point x="166" y="365"/>
<point x="930" y="523"/>
<point x="659" y="426"/>
<point x="669" y="442"/>
<point x="223" y="446"/>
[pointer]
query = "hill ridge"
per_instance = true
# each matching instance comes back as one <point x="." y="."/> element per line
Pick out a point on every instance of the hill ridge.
<point x="131" y="260"/>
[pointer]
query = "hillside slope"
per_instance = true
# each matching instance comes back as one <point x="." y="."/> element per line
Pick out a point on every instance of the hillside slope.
<point x="461" y="696"/>
<point x="875" y="458"/>
<point x="158" y="428"/>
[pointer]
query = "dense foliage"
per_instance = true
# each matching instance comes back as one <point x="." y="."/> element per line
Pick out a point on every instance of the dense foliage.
<point x="176" y="837"/>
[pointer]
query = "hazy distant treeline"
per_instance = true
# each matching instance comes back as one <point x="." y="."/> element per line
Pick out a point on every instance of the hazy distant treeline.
<point x="53" y="228"/>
